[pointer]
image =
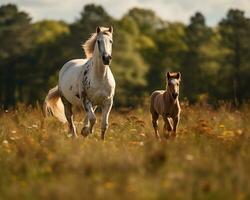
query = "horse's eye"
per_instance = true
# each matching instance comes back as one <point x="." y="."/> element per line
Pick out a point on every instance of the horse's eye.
<point x="111" y="41"/>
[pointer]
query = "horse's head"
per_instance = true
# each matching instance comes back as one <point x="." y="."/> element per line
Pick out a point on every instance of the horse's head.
<point x="173" y="83"/>
<point x="104" y="43"/>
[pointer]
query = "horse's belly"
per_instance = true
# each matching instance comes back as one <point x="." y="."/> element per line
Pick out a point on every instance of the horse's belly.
<point x="70" y="92"/>
<point x="98" y="96"/>
<point x="73" y="98"/>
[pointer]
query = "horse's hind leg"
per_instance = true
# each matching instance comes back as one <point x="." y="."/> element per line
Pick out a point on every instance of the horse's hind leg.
<point x="69" y="116"/>
<point x="155" y="117"/>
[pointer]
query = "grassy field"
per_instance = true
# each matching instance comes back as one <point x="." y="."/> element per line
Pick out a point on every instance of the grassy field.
<point x="210" y="158"/>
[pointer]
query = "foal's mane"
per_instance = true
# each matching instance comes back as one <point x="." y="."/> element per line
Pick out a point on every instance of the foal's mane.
<point x="89" y="45"/>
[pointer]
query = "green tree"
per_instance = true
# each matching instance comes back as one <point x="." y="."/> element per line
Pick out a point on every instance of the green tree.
<point x="128" y="65"/>
<point x="47" y="55"/>
<point x="48" y="31"/>
<point x="15" y="37"/>
<point x="167" y="54"/>
<point x="200" y="63"/>
<point x="147" y="21"/>
<point x="235" y="31"/>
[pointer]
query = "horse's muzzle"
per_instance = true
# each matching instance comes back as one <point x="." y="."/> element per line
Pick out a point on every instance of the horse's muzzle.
<point x="106" y="58"/>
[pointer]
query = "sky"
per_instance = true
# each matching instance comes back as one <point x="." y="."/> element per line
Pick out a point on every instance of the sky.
<point x="171" y="10"/>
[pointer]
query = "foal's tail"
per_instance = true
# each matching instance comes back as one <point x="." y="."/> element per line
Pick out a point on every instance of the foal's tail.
<point x="53" y="105"/>
<point x="152" y="99"/>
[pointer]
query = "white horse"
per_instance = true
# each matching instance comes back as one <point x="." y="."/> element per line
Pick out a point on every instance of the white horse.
<point x="85" y="82"/>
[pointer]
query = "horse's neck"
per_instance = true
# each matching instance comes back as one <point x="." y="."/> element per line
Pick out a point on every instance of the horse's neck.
<point x="99" y="71"/>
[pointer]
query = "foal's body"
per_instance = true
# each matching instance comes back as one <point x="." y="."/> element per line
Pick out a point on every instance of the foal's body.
<point x="166" y="104"/>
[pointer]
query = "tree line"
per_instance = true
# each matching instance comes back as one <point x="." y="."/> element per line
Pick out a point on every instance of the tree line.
<point x="214" y="61"/>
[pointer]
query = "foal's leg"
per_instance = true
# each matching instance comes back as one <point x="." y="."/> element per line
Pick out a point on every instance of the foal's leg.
<point x="176" y="122"/>
<point x="105" y="116"/>
<point x="155" y="117"/>
<point x="167" y="126"/>
<point x="91" y="117"/>
<point x="69" y="116"/>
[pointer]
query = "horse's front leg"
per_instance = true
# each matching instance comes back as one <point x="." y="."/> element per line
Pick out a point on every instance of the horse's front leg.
<point x="90" y="119"/>
<point x="105" y="116"/>
<point x="85" y="128"/>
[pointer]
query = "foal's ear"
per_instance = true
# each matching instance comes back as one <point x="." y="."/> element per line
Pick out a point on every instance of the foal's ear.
<point x="168" y="75"/>
<point x="111" y="29"/>
<point x="98" y="29"/>
<point x="178" y="76"/>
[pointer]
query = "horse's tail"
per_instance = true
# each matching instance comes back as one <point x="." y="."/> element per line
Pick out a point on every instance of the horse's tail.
<point x="53" y="105"/>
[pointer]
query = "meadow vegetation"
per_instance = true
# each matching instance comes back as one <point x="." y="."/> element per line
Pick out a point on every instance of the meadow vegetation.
<point x="208" y="160"/>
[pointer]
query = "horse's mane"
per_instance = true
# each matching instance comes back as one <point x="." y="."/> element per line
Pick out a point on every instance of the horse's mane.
<point x="89" y="45"/>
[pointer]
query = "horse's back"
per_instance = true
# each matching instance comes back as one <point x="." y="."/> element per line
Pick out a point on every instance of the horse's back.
<point x="72" y="65"/>
<point x="69" y="80"/>
<point x="156" y="103"/>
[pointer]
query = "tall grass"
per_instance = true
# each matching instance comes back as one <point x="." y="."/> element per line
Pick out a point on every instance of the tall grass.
<point x="210" y="158"/>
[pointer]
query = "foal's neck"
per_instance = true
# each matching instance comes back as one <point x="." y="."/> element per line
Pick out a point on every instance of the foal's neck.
<point x="99" y="69"/>
<point x="169" y="98"/>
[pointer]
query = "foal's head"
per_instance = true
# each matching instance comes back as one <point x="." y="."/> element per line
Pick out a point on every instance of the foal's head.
<point x="104" y="42"/>
<point x="173" y="83"/>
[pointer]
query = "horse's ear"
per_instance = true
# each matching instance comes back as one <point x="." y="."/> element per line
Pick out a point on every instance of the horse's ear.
<point x="178" y="76"/>
<point x="98" y="29"/>
<point x="111" y="29"/>
<point x="168" y="75"/>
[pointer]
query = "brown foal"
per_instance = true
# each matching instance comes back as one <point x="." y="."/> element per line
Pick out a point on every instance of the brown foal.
<point x="166" y="104"/>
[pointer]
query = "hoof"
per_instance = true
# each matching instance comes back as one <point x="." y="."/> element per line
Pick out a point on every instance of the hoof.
<point x="157" y="137"/>
<point x="70" y="135"/>
<point x="167" y="136"/>
<point x="173" y="135"/>
<point x="102" y="135"/>
<point x="169" y="129"/>
<point x="85" y="131"/>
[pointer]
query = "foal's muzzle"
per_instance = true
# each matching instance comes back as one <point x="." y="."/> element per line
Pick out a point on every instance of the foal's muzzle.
<point x="106" y="58"/>
<point x="175" y="95"/>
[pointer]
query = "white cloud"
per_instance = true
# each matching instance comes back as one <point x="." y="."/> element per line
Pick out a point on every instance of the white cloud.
<point x="172" y="10"/>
